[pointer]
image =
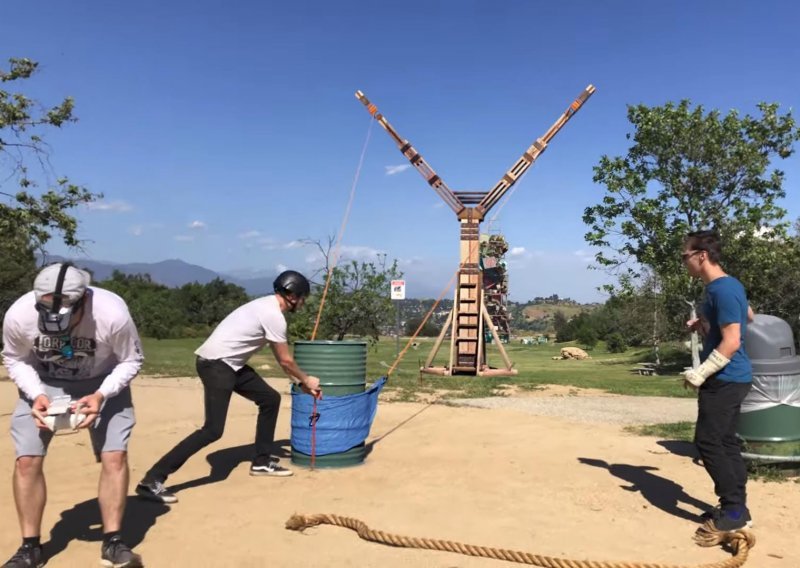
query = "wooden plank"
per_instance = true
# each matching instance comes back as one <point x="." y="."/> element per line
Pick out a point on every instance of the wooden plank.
<point x="439" y="340"/>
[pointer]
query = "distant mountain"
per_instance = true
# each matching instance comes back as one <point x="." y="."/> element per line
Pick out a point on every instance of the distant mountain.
<point x="172" y="273"/>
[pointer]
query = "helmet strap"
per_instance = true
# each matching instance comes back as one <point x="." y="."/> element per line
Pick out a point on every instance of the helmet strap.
<point x="291" y="303"/>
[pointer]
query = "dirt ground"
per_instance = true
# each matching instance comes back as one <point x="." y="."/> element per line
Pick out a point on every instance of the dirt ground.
<point x="495" y="477"/>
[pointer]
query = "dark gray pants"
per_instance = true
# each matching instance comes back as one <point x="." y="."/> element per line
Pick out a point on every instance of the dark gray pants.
<point x="219" y="382"/>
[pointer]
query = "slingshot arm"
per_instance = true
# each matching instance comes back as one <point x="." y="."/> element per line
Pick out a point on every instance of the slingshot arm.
<point x="414" y="157"/>
<point x="532" y="153"/>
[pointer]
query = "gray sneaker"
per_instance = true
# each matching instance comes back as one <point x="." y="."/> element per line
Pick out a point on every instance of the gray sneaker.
<point x="269" y="467"/>
<point x="27" y="556"/>
<point x="117" y="554"/>
<point x="155" y="491"/>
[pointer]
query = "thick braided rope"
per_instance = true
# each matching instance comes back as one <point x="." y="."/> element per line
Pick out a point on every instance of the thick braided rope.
<point x="740" y="541"/>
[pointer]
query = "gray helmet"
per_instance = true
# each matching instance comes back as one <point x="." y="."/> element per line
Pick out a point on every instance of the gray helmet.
<point x="292" y="282"/>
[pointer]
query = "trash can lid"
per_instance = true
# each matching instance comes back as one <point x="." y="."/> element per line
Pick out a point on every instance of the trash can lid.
<point x="769" y="337"/>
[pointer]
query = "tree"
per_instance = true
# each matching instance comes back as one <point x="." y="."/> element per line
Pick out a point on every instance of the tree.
<point x="430" y="329"/>
<point x="154" y="308"/>
<point x="205" y="305"/>
<point x="586" y="336"/>
<point x="689" y="170"/>
<point x="630" y="314"/>
<point x="616" y="343"/>
<point x="560" y="325"/>
<point x="770" y="271"/>
<point x="29" y="215"/>
<point x="358" y="302"/>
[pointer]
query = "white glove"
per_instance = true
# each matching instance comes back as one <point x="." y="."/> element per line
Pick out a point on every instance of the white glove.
<point x="715" y="363"/>
<point x="60" y="415"/>
<point x="65" y="421"/>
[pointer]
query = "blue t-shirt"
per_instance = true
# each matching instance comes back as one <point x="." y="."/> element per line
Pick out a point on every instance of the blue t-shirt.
<point x="726" y="303"/>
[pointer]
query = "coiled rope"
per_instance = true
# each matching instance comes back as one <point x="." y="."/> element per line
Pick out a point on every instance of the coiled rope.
<point x="740" y="542"/>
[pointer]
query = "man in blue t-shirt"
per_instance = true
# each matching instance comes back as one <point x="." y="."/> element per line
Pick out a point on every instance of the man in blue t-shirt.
<point x="723" y="379"/>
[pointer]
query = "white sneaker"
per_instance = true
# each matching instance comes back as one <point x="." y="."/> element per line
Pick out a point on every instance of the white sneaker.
<point x="271" y="467"/>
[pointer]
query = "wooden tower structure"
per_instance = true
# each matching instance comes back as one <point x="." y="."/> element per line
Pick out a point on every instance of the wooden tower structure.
<point x="465" y="323"/>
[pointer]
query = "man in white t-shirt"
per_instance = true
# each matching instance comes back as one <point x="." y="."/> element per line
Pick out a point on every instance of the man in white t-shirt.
<point x="72" y="351"/>
<point x="223" y="370"/>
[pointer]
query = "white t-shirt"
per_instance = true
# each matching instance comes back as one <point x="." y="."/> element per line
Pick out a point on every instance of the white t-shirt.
<point x="247" y="329"/>
<point x="105" y="343"/>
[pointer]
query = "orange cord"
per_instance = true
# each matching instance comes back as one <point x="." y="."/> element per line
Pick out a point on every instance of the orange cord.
<point x="424" y="321"/>
<point x="341" y="231"/>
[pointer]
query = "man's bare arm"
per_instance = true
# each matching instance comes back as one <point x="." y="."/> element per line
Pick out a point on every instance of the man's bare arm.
<point x="291" y="368"/>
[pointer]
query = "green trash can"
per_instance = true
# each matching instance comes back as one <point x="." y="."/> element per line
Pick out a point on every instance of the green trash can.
<point x="341" y="367"/>
<point x="769" y="423"/>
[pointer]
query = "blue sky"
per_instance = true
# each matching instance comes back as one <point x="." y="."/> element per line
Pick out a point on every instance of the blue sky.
<point x="221" y="133"/>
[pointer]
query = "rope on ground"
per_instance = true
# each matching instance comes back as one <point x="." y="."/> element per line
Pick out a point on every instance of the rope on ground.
<point x="740" y="542"/>
<point x="338" y="245"/>
<point x="421" y="325"/>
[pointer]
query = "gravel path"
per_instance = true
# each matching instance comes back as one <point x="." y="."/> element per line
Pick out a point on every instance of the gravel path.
<point x="622" y="410"/>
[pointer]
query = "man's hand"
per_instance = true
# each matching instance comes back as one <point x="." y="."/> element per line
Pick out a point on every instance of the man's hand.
<point x="699" y="325"/>
<point x="715" y="362"/>
<point x="89" y="406"/>
<point x="311" y="386"/>
<point x="693" y="379"/>
<point x="40" y="406"/>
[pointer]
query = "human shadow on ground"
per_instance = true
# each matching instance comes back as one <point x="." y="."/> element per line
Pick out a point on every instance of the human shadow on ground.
<point x="682" y="449"/>
<point x="224" y="461"/>
<point x="658" y="491"/>
<point x="83" y="522"/>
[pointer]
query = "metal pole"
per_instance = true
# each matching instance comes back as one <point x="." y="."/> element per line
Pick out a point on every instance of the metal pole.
<point x="398" y="328"/>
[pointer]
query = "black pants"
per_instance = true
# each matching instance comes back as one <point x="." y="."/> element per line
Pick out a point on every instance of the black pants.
<point x="719" y="404"/>
<point x="219" y="382"/>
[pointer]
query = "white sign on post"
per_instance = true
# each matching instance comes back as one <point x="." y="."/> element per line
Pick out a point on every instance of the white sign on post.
<point x="398" y="289"/>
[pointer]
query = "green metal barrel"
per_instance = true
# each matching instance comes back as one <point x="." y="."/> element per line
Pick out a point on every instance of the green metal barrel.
<point x="341" y="367"/>
<point x="772" y="434"/>
<point x="769" y="423"/>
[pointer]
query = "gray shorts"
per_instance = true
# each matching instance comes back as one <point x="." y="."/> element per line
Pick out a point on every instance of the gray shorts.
<point x="110" y="431"/>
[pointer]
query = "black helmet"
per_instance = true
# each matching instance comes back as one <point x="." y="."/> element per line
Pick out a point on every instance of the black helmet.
<point x="292" y="282"/>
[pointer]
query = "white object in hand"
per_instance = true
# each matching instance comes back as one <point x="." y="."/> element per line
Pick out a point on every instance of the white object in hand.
<point x="65" y="421"/>
<point x="60" y="415"/>
<point x="715" y="362"/>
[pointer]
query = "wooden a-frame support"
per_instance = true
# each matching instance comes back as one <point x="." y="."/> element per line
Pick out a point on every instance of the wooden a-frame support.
<point x="469" y="315"/>
<point x="483" y="368"/>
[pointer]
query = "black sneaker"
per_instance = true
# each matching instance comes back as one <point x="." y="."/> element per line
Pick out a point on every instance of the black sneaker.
<point x="155" y="491"/>
<point x="117" y="554"/>
<point x="716" y="512"/>
<point x="711" y="514"/>
<point x="27" y="556"/>
<point x="269" y="467"/>
<point x="732" y="519"/>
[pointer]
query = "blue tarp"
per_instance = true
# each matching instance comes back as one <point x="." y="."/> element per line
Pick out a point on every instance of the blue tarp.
<point x="343" y="423"/>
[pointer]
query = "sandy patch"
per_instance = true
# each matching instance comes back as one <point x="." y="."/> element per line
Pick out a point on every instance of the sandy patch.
<point x="500" y="477"/>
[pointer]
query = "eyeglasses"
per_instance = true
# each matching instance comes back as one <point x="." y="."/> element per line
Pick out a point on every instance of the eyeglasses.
<point x="687" y="255"/>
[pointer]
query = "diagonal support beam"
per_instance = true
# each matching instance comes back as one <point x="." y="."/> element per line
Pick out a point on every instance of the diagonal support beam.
<point x="532" y="153"/>
<point x="414" y="157"/>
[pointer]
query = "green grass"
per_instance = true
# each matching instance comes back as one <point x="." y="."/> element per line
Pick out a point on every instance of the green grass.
<point x="680" y="431"/>
<point x="170" y="357"/>
<point x="605" y="371"/>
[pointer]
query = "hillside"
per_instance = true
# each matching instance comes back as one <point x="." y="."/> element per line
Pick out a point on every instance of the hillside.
<point x="536" y="312"/>
<point x="172" y="273"/>
<point x="537" y="315"/>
